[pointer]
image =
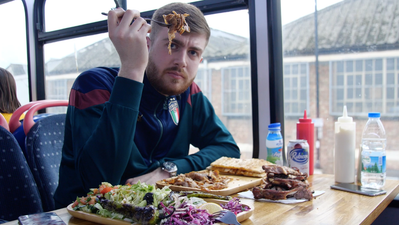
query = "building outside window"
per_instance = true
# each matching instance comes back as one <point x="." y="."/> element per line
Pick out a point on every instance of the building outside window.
<point x="296" y="87"/>
<point x="354" y="63"/>
<point x="57" y="90"/>
<point x="392" y="86"/>
<point x="236" y="91"/>
<point x="203" y="80"/>
<point x="365" y="85"/>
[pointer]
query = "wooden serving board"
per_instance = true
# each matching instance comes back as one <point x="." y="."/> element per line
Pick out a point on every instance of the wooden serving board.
<point x="108" y="221"/>
<point x="95" y="218"/>
<point x="237" y="184"/>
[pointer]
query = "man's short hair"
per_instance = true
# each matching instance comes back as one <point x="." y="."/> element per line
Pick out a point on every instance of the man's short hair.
<point x="196" y="20"/>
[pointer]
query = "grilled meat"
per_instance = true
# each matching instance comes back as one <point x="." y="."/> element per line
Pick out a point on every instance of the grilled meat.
<point x="286" y="183"/>
<point x="204" y="180"/>
<point x="282" y="182"/>
<point x="282" y="170"/>
<point x="277" y="193"/>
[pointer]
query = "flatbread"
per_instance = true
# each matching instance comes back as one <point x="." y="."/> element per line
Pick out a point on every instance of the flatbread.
<point x="246" y="167"/>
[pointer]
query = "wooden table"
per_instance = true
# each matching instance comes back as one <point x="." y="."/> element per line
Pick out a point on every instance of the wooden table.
<point x="333" y="207"/>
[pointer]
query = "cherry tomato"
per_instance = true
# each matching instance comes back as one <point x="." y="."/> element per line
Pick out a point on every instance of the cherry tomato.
<point x="76" y="203"/>
<point x="105" y="189"/>
<point x="83" y="200"/>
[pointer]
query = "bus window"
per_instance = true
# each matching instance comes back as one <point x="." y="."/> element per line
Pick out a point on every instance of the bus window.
<point x="155" y="4"/>
<point x="224" y="75"/>
<point x="70" y="13"/>
<point x="63" y="14"/>
<point x="13" y="53"/>
<point x="65" y="60"/>
<point x="348" y="65"/>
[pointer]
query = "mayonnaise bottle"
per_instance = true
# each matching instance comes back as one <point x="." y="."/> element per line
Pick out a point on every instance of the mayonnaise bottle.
<point x="345" y="146"/>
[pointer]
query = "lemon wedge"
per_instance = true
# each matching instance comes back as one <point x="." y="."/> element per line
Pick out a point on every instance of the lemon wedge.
<point x="211" y="207"/>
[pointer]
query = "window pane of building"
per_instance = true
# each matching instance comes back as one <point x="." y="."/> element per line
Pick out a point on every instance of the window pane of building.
<point x="295" y="88"/>
<point x="236" y="94"/>
<point x="377" y="85"/>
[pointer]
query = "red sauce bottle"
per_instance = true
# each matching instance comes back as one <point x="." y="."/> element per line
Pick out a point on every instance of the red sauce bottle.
<point x="305" y="130"/>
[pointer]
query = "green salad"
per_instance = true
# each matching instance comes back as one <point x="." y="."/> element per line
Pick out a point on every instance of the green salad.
<point x="145" y="204"/>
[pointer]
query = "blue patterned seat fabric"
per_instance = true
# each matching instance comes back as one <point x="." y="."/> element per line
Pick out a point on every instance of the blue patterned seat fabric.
<point x="19" y="194"/>
<point x="19" y="132"/>
<point x="44" y="143"/>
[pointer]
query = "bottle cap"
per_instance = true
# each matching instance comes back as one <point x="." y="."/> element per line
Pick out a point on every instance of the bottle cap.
<point x="345" y="118"/>
<point x="305" y="119"/>
<point x="274" y="126"/>
<point x="374" y="115"/>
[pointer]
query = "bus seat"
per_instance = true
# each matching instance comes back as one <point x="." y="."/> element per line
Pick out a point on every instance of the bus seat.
<point x="16" y="125"/>
<point x="28" y="122"/>
<point x="3" y="122"/>
<point x="44" y="141"/>
<point x="19" y="194"/>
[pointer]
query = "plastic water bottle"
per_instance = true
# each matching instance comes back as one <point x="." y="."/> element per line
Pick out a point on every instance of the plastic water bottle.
<point x="274" y="144"/>
<point x="373" y="156"/>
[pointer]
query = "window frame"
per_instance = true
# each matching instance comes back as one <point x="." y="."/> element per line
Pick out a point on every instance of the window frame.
<point x="265" y="54"/>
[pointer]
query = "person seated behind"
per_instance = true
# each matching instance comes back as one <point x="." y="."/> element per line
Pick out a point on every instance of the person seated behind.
<point x="123" y="123"/>
<point x="8" y="95"/>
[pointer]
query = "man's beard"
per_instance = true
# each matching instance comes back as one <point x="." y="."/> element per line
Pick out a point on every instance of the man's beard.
<point x="164" y="87"/>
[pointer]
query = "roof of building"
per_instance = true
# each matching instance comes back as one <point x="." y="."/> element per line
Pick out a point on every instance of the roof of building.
<point x="17" y="69"/>
<point x="221" y="45"/>
<point x="348" y="26"/>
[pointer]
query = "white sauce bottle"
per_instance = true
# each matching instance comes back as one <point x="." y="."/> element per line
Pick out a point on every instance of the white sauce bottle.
<point x="345" y="146"/>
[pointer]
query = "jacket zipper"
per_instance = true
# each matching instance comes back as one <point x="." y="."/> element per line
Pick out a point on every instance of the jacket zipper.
<point x="165" y="103"/>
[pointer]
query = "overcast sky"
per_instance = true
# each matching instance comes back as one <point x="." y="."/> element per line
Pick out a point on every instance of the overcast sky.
<point x="12" y="40"/>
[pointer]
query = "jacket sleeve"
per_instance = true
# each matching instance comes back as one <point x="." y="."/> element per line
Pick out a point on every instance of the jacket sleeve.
<point x="102" y="134"/>
<point x="209" y="135"/>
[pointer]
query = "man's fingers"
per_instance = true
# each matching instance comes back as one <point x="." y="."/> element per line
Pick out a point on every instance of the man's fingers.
<point x="141" y="26"/>
<point x="128" y="17"/>
<point x="130" y="181"/>
<point x="114" y="17"/>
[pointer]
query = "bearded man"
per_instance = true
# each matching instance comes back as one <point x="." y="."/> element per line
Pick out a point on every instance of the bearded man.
<point x="136" y="122"/>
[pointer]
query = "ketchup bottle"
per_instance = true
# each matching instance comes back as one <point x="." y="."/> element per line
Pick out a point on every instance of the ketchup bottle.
<point x="305" y="130"/>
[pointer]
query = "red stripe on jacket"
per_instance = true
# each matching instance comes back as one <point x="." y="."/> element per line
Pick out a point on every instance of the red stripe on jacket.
<point x="81" y="100"/>
<point x="194" y="89"/>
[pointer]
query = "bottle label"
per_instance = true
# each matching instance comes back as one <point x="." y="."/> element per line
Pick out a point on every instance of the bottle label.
<point x="299" y="155"/>
<point x="275" y="151"/>
<point x="274" y="155"/>
<point x="373" y="164"/>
